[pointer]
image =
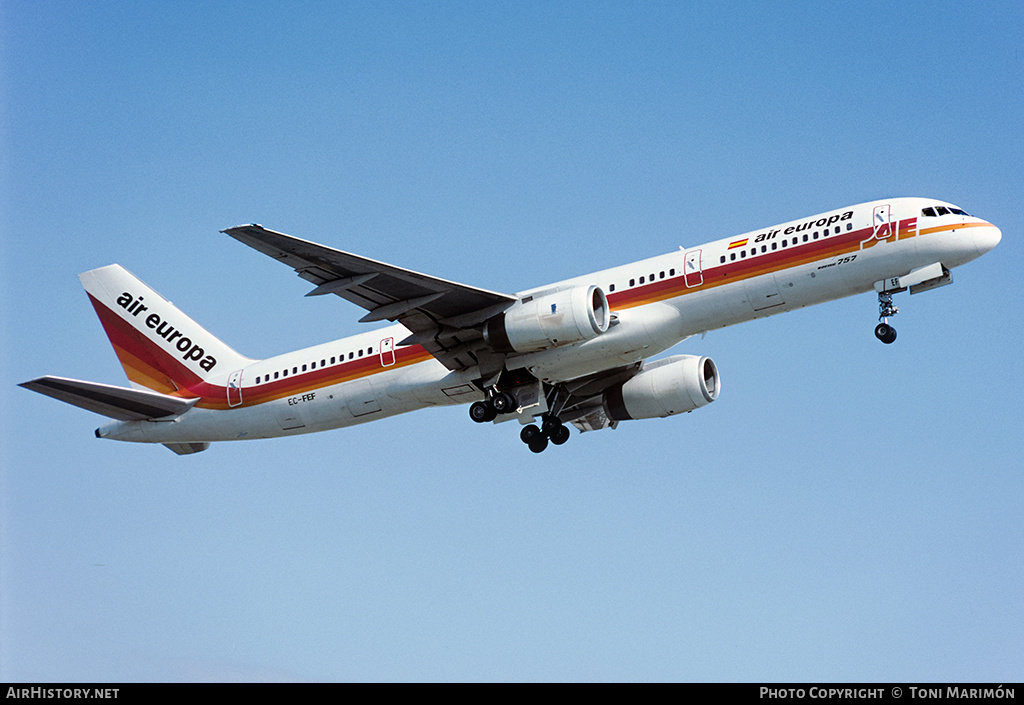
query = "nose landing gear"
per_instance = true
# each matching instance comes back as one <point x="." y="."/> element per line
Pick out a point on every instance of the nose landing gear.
<point x="883" y="331"/>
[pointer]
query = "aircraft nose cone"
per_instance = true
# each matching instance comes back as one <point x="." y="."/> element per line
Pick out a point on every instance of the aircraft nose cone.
<point x="986" y="238"/>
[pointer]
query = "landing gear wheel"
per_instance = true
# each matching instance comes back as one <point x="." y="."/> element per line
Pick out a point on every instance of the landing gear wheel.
<point x="550" y="423"/>
<point x="539" y="443"/>
<point x="529" y="433"/>
<point x="885" y="333"/>
<point x="503" y="402"/>
<point x="481" y="412"/>
<point x="559" y="435"/>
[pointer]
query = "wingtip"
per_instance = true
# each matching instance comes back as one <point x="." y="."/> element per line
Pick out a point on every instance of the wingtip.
<point x="228" y="231"/>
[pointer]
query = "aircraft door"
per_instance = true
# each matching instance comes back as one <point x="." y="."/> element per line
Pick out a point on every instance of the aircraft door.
<point x="387" y="352"/>
<point x="881" y="220"/>
<point x="235" y="388"/>
<point x="693" y="275"/>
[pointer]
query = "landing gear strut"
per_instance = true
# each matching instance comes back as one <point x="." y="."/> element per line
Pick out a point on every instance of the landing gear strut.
<point x="883" y="331"/>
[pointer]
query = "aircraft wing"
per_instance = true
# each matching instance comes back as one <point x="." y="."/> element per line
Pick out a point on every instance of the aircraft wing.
<point x="443" y="316"/>
<point x="581" y="403"/>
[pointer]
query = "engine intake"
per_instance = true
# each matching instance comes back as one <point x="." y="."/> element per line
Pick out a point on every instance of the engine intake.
<point x="549" y="321"/>
<point x="667" y="387"/>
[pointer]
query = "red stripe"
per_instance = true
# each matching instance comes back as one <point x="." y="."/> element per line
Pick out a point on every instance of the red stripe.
<point x="732" y="271"/>
<point x="149" y="365"/>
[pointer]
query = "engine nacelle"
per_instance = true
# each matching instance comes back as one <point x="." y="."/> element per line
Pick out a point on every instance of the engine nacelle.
<point x="671" y="386"/>
<point x="550" y="320"/>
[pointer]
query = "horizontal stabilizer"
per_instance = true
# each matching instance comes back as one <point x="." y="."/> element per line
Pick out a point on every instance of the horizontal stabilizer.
<point x="115" y="402"/>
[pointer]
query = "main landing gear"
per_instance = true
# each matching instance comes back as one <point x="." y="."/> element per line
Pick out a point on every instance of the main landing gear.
<point x="883" y="331"/>
<point x="551" y="429"/>
<point x="488" y="410"/>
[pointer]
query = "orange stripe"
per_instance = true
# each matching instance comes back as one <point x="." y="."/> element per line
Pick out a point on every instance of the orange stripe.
<point x="307" y="381"/>
<point x="958" y="226"/>
<point x="780" y="260"/>
<point x="147" y="364"/>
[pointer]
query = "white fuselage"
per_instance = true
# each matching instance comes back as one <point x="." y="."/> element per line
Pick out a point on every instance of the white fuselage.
<point x="655" y="303"/>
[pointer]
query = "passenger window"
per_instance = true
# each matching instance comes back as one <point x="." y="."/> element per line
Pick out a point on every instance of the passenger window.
<point x="661" y="275"/>
<point x="722" y="260"/>
<point x="849" y="226"/>
<point x="837" y="230"/>
<point x="764" y="248"/>
<point x="275" y="375"/>
<point x="295" y="370"/>
<point x="671" y="272"/>
<point x="775" y="245"/>
<point x="805" y="238"/>
<point x="732" y="257"/>
<point x="785" y="243"/>
<point x="743" y="253"/>
<point x="611" y="288"/>
<point x="816" y="234"/>
<point x="641" y="280"/>
<point x="303" y="368"/>
<point x="285" y="372"/>
<point x="632" y="282"/>
<point x="351" y="355"/>
<point x="332" y="359"/>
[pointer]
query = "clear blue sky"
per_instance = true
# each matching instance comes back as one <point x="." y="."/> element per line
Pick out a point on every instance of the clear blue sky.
<point x="845" y="511"/>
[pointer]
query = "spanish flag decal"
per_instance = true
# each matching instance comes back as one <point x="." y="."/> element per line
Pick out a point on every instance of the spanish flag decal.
<point x="737" y="243"/>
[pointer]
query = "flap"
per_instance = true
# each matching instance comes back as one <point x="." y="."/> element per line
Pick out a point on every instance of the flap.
<point x="442" y="315"/>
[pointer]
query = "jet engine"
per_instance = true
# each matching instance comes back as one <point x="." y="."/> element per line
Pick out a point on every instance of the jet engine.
<point x="550" y="320"/>
<point x="666" y="387"/>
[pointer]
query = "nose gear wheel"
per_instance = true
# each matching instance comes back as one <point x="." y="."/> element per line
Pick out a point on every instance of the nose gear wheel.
<point x="883" y="331"/>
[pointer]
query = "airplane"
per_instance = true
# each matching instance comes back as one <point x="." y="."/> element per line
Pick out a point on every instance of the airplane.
<point x="577" y="352"/>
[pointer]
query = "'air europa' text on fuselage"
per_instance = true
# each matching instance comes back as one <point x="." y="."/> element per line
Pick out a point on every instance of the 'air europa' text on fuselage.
<point x="819" y="223"/>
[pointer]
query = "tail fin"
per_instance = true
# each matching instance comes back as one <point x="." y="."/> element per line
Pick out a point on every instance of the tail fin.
<point x="160" y="348"/>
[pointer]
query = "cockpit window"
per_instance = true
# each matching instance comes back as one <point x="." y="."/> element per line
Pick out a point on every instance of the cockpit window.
<point x="943" y="210"/>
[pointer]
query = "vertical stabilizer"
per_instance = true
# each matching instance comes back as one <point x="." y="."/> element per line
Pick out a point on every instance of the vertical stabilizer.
<point x="159" y="347"/>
